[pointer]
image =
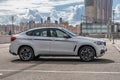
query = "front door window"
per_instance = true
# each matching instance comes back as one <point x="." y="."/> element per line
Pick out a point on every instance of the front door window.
<point x="57" y="33"/>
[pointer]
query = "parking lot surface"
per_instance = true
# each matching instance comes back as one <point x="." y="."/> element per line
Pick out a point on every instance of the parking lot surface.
<point x="60" y="68"/>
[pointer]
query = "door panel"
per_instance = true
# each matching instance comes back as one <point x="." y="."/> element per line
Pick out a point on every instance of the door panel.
<point x="61" y="46"/>
<point x="41" y="40"/>
<point x="42" y="44"/>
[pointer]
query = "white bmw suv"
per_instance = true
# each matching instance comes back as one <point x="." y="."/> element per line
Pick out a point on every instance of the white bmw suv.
<point x="55" y="41"/>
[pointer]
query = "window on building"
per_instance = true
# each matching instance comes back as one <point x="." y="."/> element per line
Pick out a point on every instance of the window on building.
<point x="94" y="28"/>
<point x="89" y="2"/>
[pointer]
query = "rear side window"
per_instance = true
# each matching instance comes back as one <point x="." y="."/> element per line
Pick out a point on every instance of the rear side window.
<point x="30" y="33"/>
<point x="38" y="32"/>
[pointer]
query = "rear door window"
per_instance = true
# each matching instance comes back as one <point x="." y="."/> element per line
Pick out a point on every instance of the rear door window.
<point x="38" y="32"/>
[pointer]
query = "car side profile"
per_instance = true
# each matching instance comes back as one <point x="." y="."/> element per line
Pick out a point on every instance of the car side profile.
<point x="55" y="41"/>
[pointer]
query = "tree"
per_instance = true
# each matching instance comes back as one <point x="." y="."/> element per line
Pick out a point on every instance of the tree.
<point x="10" y="32"/>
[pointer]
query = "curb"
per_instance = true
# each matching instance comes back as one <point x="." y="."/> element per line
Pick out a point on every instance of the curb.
<point x="117" y="47"/>
<point x="4" y="45"/>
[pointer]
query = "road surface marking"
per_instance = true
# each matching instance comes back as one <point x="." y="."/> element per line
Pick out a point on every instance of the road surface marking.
<point x="4" y="48"/>
<point x="1" y="74"/>
<point x="117" y="47"/>
<point x="71" y="72"/>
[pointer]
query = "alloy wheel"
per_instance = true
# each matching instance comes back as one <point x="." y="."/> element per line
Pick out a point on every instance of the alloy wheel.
<point x="26" y="53"/>
<point x="87" y="53"/>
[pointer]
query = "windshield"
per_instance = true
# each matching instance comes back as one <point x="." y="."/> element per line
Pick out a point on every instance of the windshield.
<point x="69" y="32"/>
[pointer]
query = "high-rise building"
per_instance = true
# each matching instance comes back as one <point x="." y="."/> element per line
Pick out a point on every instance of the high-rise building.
<point x="56" y="22"/>
<point x="48" y="19"/>
<point x="98" y="11"/>
<point x="41" y="20"/>
<point x="60" y="20"/>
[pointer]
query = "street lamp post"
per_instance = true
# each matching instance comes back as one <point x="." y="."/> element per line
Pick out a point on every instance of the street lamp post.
<point x="81" y="23"/>
<point x="113" y="26"/>
<point x="12" y="26"/>
<point x="109" y="28"/>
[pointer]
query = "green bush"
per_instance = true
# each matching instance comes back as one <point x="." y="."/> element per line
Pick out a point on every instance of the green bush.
<point x="10" y="32"/>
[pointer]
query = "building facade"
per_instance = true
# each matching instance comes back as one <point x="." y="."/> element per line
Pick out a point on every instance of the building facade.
<point x="98" y="17"/>
<point x="98" y="11"/>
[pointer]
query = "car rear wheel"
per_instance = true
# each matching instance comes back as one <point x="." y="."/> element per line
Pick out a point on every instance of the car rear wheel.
<point x="26" y="53"/>
<point x="87" y="53"/>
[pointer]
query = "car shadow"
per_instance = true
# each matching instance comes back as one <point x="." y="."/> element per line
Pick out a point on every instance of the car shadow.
<point x="64" y="61"/>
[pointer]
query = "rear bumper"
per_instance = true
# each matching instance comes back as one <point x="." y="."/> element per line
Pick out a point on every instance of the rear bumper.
<point x="12" y="53"/>
<point x="13" y="49"/>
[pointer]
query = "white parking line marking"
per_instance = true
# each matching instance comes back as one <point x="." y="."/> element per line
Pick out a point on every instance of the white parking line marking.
<point x="117" y="47"/>
<point x="1" y="74"/>
<point x="69" y="72"/>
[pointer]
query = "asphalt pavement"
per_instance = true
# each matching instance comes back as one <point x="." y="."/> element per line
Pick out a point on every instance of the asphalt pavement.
<point x="60" y="68"/>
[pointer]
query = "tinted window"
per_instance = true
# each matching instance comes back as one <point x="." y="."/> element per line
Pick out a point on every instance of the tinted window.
<point x="29" y="33"/>
<point x="60" y="34"/>
<point x="38" y="32"/>
<point x="57" y="33"/>
<point x="89" y="2"/>
<point x="69" y="32"/>
<point x="43" y="33"/>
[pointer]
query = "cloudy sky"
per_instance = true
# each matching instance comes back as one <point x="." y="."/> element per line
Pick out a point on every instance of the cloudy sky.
<point x="25" y="10"/>
<point x="19" y="6"/>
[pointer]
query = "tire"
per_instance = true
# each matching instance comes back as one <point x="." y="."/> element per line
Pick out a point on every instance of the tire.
<point x="26" y="53"/>
<point x="87" y="53"/>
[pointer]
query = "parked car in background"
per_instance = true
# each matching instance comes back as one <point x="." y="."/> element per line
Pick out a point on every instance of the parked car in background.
<point x="55" y="41"/>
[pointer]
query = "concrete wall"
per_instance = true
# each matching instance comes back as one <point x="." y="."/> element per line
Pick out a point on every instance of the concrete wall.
<point x="116" y="35"/>
<point x="97" y="35"/>
<point x="4" y="39"/>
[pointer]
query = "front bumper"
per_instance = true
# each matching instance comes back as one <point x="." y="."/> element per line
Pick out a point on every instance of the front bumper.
<point x="101" y="50"/>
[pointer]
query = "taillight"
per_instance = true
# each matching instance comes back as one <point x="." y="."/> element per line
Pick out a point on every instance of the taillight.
<point x="13" y="38"/>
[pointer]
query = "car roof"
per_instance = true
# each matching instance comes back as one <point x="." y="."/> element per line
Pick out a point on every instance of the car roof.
<point x="45" y="27"/>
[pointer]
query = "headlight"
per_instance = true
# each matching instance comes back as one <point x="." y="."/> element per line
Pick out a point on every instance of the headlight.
<point x="98" y="42"/>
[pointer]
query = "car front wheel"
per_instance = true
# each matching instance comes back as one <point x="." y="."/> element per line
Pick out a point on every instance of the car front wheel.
<point x="26" y="53"/>
<point x="87" y="53"/>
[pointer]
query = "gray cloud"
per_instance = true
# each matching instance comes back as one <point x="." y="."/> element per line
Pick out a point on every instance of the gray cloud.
<point x="3" y="0"/>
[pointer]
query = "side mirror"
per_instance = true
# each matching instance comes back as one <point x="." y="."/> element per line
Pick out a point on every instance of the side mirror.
<point x="66" y="36"/>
